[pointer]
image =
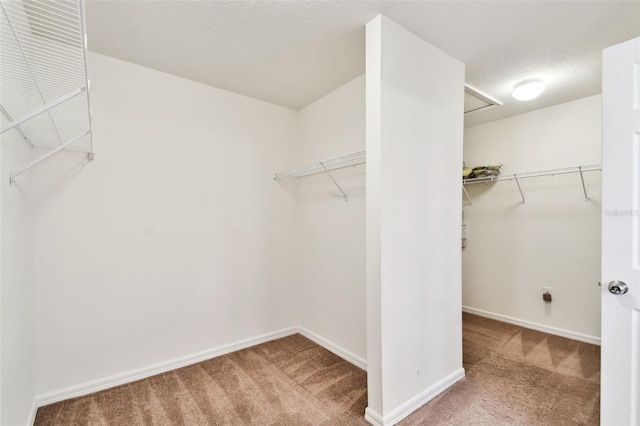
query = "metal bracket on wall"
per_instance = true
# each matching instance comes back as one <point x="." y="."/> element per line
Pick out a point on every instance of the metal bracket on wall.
<point x="520" y="189"/>
<point x="467" y="194"/>
<point x="334" y="181"/>
<point x="584" y="188"/>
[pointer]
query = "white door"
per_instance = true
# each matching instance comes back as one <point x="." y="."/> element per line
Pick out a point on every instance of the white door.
<point x="621" y="234"/>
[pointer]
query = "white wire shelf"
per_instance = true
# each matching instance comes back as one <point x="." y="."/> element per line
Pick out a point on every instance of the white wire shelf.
<point x="330" y="164"/>
<point x="526" y="175"/>
<point x="44" y="86"/>
<point x="357" y="158"/>
<point x="326" y="166"/>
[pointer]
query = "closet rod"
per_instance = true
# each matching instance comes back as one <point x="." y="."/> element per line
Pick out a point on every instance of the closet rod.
<point x="47" y="155"/>
<point x="42" y="109"/>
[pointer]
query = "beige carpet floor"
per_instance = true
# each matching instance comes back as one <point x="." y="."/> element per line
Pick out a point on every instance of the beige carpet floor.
<point x="289" y="381"/>
<point x="515" y="376"/>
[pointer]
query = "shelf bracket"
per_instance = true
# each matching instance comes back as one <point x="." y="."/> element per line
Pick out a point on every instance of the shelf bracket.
<point x="47" y="155"/>
<point x="584" y="188"/>
<point x="44" y="108"/>
<point x="519" y="189"/>
<point x="467" y="194"/>
<point x="18" y="129"/>
<point x="334" y="181"/>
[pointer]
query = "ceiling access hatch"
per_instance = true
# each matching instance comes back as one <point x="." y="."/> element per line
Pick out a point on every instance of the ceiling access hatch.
<point x="476" y="101"/>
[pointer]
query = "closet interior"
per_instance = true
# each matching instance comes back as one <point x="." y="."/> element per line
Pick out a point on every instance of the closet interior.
<point x="537" y="224"/>
<point x="194" y="233"/>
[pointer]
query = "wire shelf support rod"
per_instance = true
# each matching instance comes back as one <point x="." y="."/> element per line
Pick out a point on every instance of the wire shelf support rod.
<point x="46" y="156"/>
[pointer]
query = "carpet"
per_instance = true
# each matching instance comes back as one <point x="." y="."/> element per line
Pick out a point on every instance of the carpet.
<point x="518" y="376"/>
<point x="288" y="381"/>
<point x="514" y="376"/>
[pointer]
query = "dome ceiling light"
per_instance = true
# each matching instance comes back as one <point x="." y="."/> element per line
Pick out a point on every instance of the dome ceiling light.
<point x="528" y="89"/>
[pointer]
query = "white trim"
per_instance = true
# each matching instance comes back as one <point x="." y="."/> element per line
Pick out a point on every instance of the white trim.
<point x="332" y="347"/>
<point x="152" y="370"/>
<point x="372" y="417"/>
<point x="32" y="413"/>
<point x="414" y="403"/>
<point x="422" y="398"/>
<point x="594" y="340"/>
<point x="163" y="367"/>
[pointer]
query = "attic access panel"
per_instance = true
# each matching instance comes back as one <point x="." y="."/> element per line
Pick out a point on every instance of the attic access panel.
<point x="476" y="101"/>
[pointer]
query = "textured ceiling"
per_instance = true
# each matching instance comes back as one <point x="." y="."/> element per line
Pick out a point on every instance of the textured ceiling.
<point x="291" y="53"/>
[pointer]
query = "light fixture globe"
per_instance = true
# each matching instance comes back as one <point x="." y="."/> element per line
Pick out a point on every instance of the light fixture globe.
<point x="528" y="89"/>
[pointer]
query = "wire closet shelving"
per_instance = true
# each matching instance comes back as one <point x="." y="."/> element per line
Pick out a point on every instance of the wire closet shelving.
<point x="326" y="166"/>
<point x="518" y="176"/>
<point x="44" y="86"/>
<point x="360" y="157"/>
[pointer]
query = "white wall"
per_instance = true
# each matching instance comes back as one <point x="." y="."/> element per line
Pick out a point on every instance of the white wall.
<point x="414" y="152"/>
<point x="331" y="231"/>
<point x="513" y="250"/>
<point x="16" y="286"/>
<point x="174" y="240"/>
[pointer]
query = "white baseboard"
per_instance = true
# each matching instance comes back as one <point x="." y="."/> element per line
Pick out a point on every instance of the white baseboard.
<point x="152" y="370"/>
<point x="414" y="403"/>
<point x="422" y="398"/>
<point x="373" y="417"/>
<point x="32" y="413"/>
<point x="332" y="347"/>
<point x="163" y="367"/>
<point x="534" y="326"/>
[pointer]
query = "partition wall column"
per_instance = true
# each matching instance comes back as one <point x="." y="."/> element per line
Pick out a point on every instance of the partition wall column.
<point x="415" y="95"/>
